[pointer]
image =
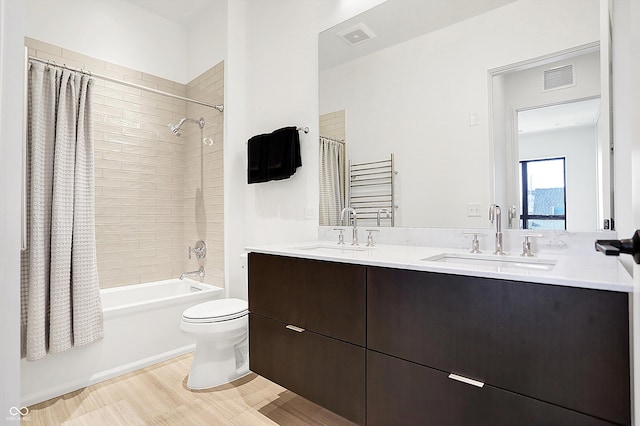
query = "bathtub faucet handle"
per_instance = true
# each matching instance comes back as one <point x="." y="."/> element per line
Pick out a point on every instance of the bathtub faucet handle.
<point x="200" y="250"/>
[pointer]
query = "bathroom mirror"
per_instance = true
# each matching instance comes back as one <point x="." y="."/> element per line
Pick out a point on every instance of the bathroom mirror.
<point x="414" y="78"/>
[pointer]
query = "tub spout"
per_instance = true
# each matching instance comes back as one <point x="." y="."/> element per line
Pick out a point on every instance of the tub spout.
<point x="199" y="272"/>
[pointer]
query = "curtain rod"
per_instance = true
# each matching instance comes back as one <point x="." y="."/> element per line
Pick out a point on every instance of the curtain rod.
<point x="126" y="83"/>
<point x="332" y="140"/>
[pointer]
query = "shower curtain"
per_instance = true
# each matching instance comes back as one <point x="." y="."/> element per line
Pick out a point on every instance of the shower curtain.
<point x="61" y="304"/>
<point x="331" y="181"/>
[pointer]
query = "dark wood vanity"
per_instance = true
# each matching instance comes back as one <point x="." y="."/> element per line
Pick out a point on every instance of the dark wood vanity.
<point x="377" y="345"/>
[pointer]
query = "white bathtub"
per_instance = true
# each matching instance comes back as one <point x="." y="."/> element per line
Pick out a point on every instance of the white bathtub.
<point x="141" y="327"/>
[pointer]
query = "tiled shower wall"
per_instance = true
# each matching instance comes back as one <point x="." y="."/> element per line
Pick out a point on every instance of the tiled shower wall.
<point x="143" y="181"/>
<point x="333" y="125"/>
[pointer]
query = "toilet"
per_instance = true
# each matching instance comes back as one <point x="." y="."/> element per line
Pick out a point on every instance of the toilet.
<point x="220" y="329"/>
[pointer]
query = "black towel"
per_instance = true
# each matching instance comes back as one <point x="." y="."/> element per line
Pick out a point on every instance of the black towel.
<point x="257" y="150"/>
<point x="284" y="153"/>
<point x="273" y="156"/>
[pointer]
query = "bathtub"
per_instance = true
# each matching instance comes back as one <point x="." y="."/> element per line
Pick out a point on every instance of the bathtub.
<point x="141" y="327"/>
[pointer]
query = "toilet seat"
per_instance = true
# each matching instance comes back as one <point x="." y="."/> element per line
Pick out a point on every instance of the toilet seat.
<point x="216" y="311"/>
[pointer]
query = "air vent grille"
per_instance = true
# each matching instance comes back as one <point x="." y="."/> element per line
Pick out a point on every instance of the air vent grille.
<point x="356" y="34"/>
<point x="558" y="78"/>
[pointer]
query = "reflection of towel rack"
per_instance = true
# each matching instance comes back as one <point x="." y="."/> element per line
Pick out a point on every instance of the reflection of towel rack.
<point x="371" y="189"/>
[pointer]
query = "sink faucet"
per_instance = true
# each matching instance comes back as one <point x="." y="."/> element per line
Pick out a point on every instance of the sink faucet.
<point x="355" y="223"/>
<point x="386" y="211"/>
<point x="199" y="272"/>
<point x="496" y="213"/>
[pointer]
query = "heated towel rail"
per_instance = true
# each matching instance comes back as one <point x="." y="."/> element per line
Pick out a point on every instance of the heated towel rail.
<point x="371" y="190"/>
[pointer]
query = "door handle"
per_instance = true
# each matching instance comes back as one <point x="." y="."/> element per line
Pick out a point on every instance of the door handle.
<point x="466" y="380"/>
<point x="616" y="247"/>
<point x="294" y="328"/>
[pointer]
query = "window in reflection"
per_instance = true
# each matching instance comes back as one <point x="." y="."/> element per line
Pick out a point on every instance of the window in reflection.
<point x="543" y="194"/>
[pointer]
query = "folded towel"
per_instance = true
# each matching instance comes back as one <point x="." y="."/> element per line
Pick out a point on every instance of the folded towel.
<point x="257" y="150"/>
<point x="284" y="153"/>
<point x="273" y="156"/>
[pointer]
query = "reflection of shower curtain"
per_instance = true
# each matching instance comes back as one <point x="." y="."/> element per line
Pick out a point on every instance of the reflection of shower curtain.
<point x="61" y="304"/>
<point x="331" y="181"/>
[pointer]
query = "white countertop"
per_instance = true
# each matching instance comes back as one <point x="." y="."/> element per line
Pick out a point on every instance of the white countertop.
<point x="594" y="271"/>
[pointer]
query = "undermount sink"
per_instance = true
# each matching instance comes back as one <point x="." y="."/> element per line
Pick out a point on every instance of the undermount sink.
<point x="332" y="248"/>
<point x="493" y="262"/>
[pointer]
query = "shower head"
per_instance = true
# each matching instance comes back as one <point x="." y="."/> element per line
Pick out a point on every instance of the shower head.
<point x="175" y="129"/>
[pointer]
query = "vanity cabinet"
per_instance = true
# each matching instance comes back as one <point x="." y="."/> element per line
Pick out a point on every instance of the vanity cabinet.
<point x="400" y="392"/>
<point x="377" y="345"/>
<point x="560" y="345"/>
<point x="307" y="328"/>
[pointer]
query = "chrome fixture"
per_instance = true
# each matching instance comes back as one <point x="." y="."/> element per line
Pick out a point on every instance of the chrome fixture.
<point x="495" y="213"/>
<point x="348" y="210"/>
<point x="370" y="236"/>
<point x="475" y="244"/>
<point x="199" y="272"/>
<point x="526" y="245"/>
<point x="511" y="215"/>
<point x="340" y="236"/>
<point x="175" y="129"/>
<point x="200" y="250"/>
<point x="387" y="211"/>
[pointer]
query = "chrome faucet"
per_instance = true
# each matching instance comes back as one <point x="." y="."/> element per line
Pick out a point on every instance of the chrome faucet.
<point x="387" y="211"/>
<point x="348" y="210"/>
<point x="199" y="272"/>
<point x="511" y="215"/>
<point x="495" y="213"/>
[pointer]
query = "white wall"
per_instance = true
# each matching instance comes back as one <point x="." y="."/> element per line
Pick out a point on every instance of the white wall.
<point x="207" y="39"/>
<point x="116" y="31"/>
<point x="235" y="173"/>
<point x="11" y="95"/>
<point x="415" y="100"/>
<point x="578" y="146"/>
<point x="271" y="82"/>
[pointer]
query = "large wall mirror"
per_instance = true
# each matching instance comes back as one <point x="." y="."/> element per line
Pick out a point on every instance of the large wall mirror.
<point x="442" y="85"/>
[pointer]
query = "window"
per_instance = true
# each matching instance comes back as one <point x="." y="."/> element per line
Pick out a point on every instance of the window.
<point x="543" y="194"/>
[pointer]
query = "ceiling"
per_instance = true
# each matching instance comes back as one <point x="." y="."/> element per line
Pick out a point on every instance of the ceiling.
<point x="571" y="114"/>
<point x="395" y="21"/>
<point x="182" y="12"/>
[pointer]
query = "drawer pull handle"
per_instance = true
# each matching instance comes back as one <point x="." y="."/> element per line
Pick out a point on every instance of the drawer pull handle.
<point x="466" y="380"/>
<point x="294" y="328"/>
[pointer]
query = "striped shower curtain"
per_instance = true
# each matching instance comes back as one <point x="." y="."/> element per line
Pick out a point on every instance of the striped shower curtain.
<point x="331" y="181"/>
<point x="61" y="304"/>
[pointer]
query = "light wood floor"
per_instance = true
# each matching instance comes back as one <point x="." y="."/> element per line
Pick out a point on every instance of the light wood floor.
<point x="158" y="395"/>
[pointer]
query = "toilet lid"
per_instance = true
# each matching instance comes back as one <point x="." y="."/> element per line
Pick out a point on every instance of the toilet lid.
<point x="216" y="310"/>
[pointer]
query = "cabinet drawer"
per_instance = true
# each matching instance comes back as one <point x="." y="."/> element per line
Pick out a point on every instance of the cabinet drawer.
<point x="325" y="297"/>
<point x="567" y="346"/>
<point x="403" y="393"/>
<point x="326" y="371"/>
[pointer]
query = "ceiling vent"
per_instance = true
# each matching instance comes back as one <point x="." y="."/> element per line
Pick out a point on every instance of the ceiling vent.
<point x="559" y="78"/>
<point x="356" y="34"/>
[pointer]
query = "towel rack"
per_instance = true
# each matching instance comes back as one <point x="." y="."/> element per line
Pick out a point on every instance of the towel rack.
<point x="371" y="189"/>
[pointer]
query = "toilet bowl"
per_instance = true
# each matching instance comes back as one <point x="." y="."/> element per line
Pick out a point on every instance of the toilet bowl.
<point x="220" y="329"/>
